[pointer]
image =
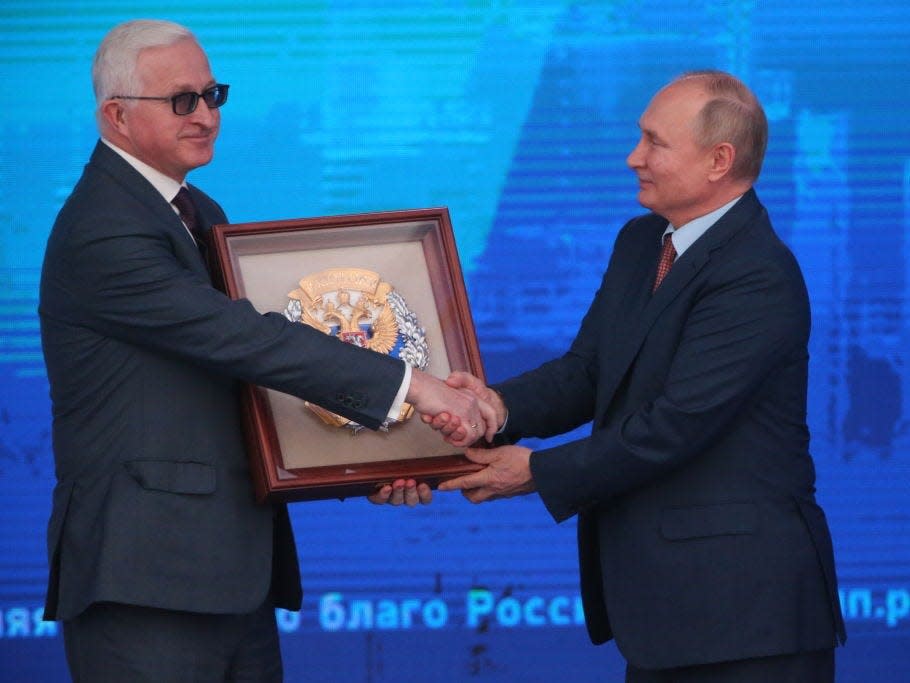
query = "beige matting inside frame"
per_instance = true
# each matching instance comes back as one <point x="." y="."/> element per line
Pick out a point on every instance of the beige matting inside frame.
<point x="267" y="278"/>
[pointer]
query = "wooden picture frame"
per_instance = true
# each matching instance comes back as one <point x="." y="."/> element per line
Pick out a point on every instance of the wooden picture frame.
<point x="295" y="455"/>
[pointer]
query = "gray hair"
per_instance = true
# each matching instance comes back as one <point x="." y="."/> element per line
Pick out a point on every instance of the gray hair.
<point x="114" y="67"/>
<point x="732" y="114"/>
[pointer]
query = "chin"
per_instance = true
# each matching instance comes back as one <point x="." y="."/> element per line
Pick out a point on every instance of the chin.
<point x="198" y="160"/>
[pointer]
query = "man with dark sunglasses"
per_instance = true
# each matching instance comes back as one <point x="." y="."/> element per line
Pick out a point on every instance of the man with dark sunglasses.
<point x="162" y="566"/>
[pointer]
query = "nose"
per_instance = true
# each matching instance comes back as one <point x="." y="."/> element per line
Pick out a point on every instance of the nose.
<point x="205" y="116"/>
<point x="635" y="158"/>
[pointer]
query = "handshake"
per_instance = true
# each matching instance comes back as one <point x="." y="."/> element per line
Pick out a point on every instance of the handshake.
<point x="463" y="410"/>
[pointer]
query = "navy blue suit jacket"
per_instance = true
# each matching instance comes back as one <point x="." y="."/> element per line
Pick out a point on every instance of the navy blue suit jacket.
<point x="153" y="504"/>
<point x="699" y="536"/>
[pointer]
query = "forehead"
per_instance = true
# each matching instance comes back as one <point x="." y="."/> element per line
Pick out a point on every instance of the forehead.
<point x="182" y="65"/>
<point x="673" y="108"/>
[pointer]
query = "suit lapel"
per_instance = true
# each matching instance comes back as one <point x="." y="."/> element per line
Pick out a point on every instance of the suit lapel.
<point x="159" y="210"/>
<point x="697" y="256"/>
<point x="642" y="309"/>
<point x="619" y="346"/>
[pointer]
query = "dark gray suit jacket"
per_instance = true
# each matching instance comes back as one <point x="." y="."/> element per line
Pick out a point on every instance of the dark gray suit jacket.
<point x="699" y="536"/>
<point x="153" y="504"/>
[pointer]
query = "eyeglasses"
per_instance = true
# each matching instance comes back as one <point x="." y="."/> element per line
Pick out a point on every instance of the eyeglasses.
<point x="184" y="103"/>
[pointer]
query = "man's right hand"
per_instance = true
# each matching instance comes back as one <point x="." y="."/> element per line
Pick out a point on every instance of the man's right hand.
<point x="457" y="413"/>
<point x="465" y="381"/>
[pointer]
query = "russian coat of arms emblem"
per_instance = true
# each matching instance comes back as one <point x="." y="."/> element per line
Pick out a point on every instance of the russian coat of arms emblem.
<point x="358" y="307"/>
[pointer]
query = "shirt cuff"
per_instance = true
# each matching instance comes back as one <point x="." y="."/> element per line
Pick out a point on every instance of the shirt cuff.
<point x="504" y="423"/>
<point x="395" y="410"/>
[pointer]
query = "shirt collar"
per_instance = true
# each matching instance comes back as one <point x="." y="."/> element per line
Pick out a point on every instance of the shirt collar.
<point x="683" y="239"/>
<point x="166" y="186"/>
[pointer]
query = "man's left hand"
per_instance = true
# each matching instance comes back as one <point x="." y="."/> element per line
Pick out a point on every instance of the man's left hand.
<point x="507" y="473"/>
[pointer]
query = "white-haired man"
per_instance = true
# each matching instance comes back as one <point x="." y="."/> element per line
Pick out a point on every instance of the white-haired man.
<point x="163" y="568"/>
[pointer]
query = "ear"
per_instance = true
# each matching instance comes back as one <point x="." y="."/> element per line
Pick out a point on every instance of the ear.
<point x="723" y="155"/>
<point x="113" y="113"/>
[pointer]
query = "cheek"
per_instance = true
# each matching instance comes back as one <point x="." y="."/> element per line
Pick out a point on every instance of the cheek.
<point x="666" y="169"/>
<point x="658" y="167"/>
<point x="156" y="132"/>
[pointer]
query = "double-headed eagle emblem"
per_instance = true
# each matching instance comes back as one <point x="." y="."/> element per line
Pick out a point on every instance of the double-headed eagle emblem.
<point x="357" y="307"/>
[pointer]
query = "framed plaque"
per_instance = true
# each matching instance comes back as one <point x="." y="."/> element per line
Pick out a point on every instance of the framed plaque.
<point x="390" y="281"/>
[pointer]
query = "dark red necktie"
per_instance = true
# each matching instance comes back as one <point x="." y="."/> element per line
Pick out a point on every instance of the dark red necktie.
<point x="667" y="256"/>
<point x="186" y="207"/>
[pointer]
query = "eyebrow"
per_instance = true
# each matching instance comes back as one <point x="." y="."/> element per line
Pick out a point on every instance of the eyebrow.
<point x="650" y="133"/>
<point x="177" y="89"/>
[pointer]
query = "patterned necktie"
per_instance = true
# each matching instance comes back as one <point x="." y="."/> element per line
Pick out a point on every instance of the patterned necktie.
<point x="667" y="256"/>
<point x="187" y="209"/>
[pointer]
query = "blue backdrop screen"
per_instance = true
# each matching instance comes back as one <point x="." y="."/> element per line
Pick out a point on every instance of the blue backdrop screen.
<point x="518" y="117"/>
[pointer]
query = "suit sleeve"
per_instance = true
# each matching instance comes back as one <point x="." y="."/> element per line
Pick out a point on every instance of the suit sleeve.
<point x="748" y="321"/>
<point x="119" y="275"/>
